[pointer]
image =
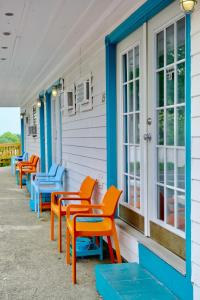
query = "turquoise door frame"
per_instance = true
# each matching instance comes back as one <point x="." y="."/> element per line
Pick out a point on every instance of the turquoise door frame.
<point x="42" y="137"/>
<point x="22" y="135"/>
<point x="48" y="128"/>
<point x="144" y="13"/>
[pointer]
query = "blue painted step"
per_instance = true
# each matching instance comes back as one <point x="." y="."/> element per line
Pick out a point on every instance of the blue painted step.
<point x="129" y="281"/>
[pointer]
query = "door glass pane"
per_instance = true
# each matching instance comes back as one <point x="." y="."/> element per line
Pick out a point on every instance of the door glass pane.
<point x="137" y="161"/>
<point x="125" y="191"/>
<point x="132" y="190"/>
<point x="180" y="169"/>
<point x="124" y="68"/>
<point x="160" y="124"/>
<point x="161" y="165"/>
<point x="181" y="126"/>
<point x="137" y="194"/>
<point x="170" y="126"/>
<point x="137" y="128"/>
<point x="170" y="167"/>
<point x="160" y="88"/>
<point x="125" y="129"/>
<point x="181" y="83"/>
<point x="161" y="203"/>
<point x="170" y="207"/>
<point x="137" y="65"/>
<point x="131" y="159"/>
<point x="130" y="65"/>
<point x="170" y="86"/>
<point x="137" y="95"/>
<point x="170" y="44"/>
<point x="131" y="129"/>
<point x="181" y="39"/>
<point x="130" y="97"/>
<point x="126" y="159"/>
<point x="181" y="211"/>
<point x="125" y="98"/>
<point x="160" y="49"/>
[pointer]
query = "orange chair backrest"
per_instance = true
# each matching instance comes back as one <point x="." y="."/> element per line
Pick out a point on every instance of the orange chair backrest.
<point x="31" y="159"/>
<point x="87" y="187"/>
<point x="110" y="200"/>
<point x="35" y="161"/>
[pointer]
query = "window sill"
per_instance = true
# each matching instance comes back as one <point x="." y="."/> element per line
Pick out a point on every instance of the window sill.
<point x="173" y="260"/>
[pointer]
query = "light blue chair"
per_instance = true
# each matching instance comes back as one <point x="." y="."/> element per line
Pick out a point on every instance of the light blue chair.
<point x="37" y="177"/>
<point x="48" y="187"/>
<point x="15" y="159"/>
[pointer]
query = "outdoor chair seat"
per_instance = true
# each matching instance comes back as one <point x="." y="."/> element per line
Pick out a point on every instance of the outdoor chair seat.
<point x="58" y="205"/>
<point x="90" y="228"/>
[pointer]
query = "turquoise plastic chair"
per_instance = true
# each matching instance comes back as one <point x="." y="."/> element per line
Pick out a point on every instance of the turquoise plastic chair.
<point x="15" y="159"/>
<point x="36" y="178"/>
<point x="48" y="186"/>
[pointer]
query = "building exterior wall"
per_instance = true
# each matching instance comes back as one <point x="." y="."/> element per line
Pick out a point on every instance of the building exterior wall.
<point x="195" y="187"/>
<point x="84" y="135"/>
<point x="32" y="144"/>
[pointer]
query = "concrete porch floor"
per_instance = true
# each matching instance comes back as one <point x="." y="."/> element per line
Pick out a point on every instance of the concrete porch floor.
<point x="30" y="266"/>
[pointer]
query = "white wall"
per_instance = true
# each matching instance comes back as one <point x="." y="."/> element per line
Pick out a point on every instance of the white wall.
<point x="32" y="144"/>
<point x="195" y="215"/>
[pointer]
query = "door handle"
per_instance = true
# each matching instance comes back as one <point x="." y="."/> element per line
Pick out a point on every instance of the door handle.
<point x="147" y="137"/>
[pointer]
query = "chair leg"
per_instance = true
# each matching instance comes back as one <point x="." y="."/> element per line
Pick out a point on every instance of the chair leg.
<point x="117" y="248"/>
<point x="52" y="225"/>
<point x="110" y="250"/>
<point x="67" y="247"/>
<point x="20" y="178"/>
<point x="73" y="259"/>
<point x="60" y="233"/>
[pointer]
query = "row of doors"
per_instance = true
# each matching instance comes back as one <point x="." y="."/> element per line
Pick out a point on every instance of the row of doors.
<point x="151" y="128"/>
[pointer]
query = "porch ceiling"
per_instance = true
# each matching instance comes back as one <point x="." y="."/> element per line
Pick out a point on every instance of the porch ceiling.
<point x="43" y="35"/>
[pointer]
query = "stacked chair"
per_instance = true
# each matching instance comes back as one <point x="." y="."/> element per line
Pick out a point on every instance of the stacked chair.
<point x="37" y="177"/>
<point x="44" y="187"/>
<point x="16" y="159"/>
<point x="26" y="168"/>
<point x="21" y="163"/>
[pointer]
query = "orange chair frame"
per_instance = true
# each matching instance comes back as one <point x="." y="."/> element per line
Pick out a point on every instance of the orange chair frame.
<point x="84" y="195"/>
<point x="107" y="227"/>
<point x="28" y="168"/>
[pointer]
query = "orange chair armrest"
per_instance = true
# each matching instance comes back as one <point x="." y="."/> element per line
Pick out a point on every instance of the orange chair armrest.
<point x="97" y="206"/>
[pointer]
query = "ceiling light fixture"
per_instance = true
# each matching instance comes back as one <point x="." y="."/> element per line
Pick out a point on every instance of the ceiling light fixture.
<point x="9" y="14"/>
<point x="54" y="91"/>
<point x="188" y="5"/>
<point x="6" y="33"/>
<point x="39" y="103"/>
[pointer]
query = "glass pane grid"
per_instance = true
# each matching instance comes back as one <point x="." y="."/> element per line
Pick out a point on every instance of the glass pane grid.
<point x="131" y="116"/>
<point x="170" y="110"/>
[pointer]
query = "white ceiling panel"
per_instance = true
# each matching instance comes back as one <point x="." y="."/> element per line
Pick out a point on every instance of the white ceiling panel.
<point x="45" y="33"/>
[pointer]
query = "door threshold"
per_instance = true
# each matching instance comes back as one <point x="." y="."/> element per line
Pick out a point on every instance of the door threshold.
<point x="170" y="258"/>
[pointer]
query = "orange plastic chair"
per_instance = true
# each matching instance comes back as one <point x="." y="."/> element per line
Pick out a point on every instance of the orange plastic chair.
<point x="106" y="227"/>
<point x="28" y="169"/>
<point x="25" y="163"/>
<point x="84" y="195"/>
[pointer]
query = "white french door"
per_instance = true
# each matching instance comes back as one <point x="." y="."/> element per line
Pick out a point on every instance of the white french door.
<point x="151" y="125"/>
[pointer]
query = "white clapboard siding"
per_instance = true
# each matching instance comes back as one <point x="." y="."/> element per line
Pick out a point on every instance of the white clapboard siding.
<point x="195" y="188"/>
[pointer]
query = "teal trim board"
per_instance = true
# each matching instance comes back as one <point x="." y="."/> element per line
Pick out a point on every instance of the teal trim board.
<point x="22" y="135"/>
<point x="42" y="136"/>
<point x="48" y="124"/>
<point x="188" y="147"/>
<point x="129" y="281"/>
<point x="172" y="279"/>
